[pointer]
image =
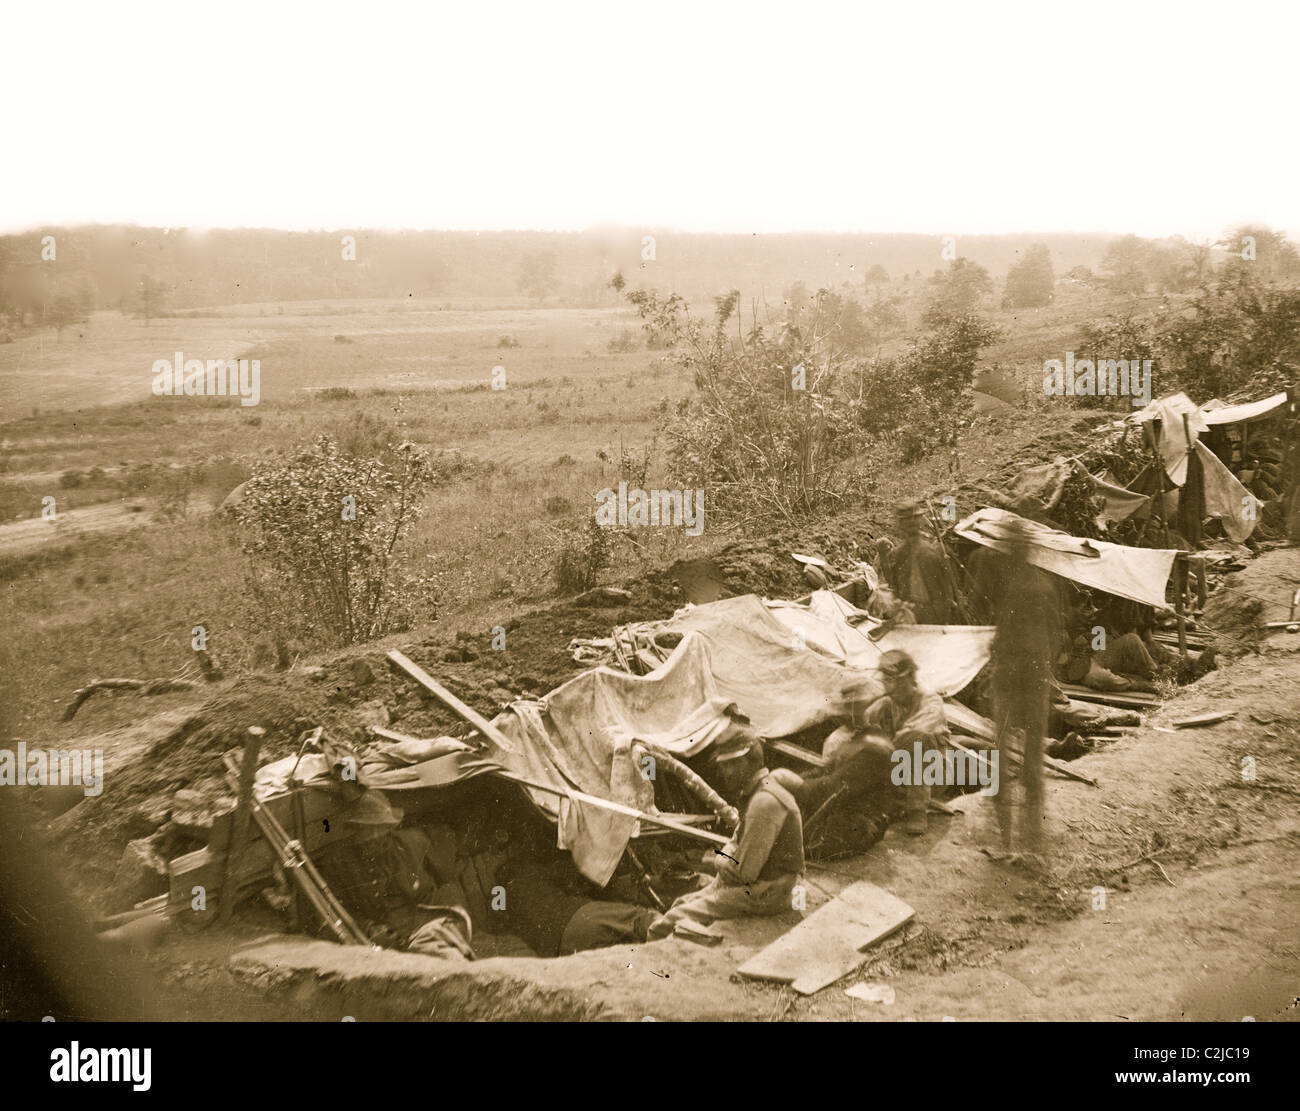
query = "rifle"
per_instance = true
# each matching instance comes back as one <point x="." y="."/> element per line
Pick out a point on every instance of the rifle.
<point x="963" y="607"/>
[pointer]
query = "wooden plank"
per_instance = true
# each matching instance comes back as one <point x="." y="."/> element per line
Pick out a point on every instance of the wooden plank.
<point x="1127" y="700"/>
<point x="239" y="828"/>
<point x="1048" y="762"/>
<point x="492" y="733"/>
<point x="968" y="721"/>
<point x="1194" y="640"/>
<point x="477" y="720"/>
<point x="1205" y="719"/>
<point x="795" y="752"/>
<point x="831" y="941"/>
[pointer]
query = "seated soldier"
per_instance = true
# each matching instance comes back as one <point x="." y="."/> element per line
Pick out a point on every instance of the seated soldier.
<point x="757" y="871"/>
<point x="903" y="715"/>
<point x="1130" y="649"/>
<point x="1078" y="663"/>
<point x="846" y="804"/>
<point x="556" y="918"/>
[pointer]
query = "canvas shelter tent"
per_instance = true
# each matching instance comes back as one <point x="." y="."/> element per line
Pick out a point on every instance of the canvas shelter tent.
<point x="1139" y="574"/>
<point x="1216" y="412"/>
<point x="781" y="665"/>
<point x="1226" y="499"/>
<point x="1119" y="503"/>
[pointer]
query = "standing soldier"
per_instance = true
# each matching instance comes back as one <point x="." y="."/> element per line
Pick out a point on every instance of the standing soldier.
<point x="917" y="571"/>
<point x="1026" y="643"/>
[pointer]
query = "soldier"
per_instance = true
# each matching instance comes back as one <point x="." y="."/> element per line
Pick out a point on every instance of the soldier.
<point x="918" y="573"/>
<point x="1027" y="641"/>
<point x="757" y="871"/>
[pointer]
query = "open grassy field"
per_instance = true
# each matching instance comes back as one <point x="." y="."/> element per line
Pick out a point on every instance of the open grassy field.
<point x="136" y="555"/>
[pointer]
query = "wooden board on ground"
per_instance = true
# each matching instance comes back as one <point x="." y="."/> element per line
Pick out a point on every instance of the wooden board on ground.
<point x="830" y="942"/>
<point x="1211" y="718"/>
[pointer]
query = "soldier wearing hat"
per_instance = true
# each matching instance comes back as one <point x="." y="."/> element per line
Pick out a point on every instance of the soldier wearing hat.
<point x="758" y="869"/>
<point x="903" y="715"/>
<point x="917" y="572"/>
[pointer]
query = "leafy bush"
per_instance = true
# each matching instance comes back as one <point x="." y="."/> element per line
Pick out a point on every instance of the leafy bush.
<point x="774" y="419"/>
<point x="582" y="551"/>
<point x="1239" y="332"/>
<point x="625" y="341"/>
<point x="321" y="534"/>
<point x="921" y="396"/>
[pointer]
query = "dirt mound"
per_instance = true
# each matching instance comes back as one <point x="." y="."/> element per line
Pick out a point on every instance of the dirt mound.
<point x="189" y="755"/>
<point x="1249" y="599"/>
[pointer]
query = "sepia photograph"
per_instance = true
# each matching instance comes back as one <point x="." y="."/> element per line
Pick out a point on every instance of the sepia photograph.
<point x="712" y="513"/>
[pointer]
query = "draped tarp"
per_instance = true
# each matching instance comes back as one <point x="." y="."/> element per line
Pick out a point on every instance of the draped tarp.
<point x="1173" y="443"/>
<point x="582" y="735"/>
<point x="1226" y="498"/>
<point x="1234" y="414"/>
<point x="947" y="657"/>
<point x="782" y="665"/>
<point x="1120" y="503"/>
<point x="781" y="684"/>
<point x="1139" y="574"/>
<point x="436" y="762"/>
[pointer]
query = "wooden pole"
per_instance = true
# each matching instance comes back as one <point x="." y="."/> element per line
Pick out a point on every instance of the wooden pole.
<point x="1048" y="762"/>
<point x="239" y="828"/>
<point x="618" y="808"/>
<point x="1180" y="590"/>
<point x="1158" y="504"/>
<point x="477" y="720"/>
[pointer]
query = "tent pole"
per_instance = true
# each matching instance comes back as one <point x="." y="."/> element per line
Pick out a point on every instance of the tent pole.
<point x="1158" y="499"/>
<point x="1180" y="589"/>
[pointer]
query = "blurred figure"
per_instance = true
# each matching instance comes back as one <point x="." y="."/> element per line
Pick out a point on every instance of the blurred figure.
<point x="1026" y="643"/>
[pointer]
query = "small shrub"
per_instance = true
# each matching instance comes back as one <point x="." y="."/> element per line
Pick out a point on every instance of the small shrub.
<point x="582" y="553"/>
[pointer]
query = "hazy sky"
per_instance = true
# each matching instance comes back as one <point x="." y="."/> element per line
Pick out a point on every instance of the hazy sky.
<point x="971" y="117"/>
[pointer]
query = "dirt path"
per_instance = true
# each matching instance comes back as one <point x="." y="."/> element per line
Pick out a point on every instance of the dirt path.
<point x="72" y="525"/>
